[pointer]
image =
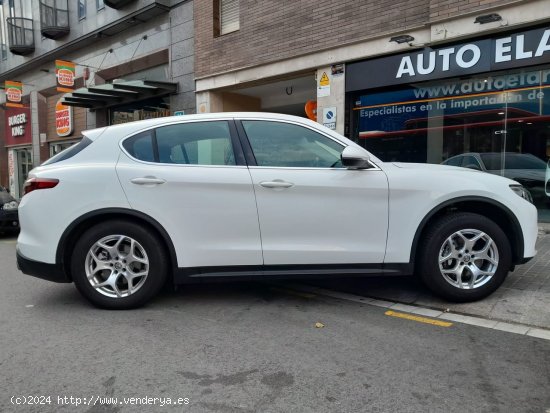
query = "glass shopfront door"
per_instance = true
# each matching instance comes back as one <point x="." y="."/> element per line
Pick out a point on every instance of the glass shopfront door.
<point x="24" y="165"/>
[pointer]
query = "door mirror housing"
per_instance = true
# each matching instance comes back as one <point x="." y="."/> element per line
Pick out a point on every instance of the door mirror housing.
<point x="354" y="158"/>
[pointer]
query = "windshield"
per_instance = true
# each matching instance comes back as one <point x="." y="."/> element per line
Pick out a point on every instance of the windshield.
<point x="493" y="161"/>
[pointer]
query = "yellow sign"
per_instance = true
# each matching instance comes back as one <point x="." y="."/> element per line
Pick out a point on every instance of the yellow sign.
<point x="324" y="80"/>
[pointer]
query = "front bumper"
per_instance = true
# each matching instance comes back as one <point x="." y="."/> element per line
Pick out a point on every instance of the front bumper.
<point x="9" y="220"/>
<point x="50" y="272"/>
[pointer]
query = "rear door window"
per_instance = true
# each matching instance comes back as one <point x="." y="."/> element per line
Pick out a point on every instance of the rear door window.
<point x="190" y="143"/>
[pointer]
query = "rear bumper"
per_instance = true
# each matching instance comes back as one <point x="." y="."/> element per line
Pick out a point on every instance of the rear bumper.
<point x="50" y="272"/>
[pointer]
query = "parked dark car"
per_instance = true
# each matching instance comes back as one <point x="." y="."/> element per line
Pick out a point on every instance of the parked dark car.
<point x="527" y="169"/>
<point x="9" y="219"/>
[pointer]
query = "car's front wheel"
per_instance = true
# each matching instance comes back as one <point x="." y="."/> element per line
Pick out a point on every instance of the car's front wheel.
<point x="464" y="257"/>
<point x="118" y="265"/>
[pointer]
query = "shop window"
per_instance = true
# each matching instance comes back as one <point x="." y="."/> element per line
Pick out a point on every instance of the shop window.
<point x="56" y="148"/>
<point x="495" y="122"/>
<point x="286" y="145"/>
<point x="226" y="16"/>
<point x="149" y="109"/>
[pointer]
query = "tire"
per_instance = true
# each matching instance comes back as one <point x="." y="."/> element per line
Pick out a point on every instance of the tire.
<point x="119" y="265"/>
<point x="479" y="257"/>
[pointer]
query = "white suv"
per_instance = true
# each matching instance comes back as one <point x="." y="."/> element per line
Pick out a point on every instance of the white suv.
<point x="260" y="195"/>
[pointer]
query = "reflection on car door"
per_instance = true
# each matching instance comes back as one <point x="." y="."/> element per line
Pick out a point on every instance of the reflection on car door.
<point x="311" y="209"/>
<point x="186" y="177"/>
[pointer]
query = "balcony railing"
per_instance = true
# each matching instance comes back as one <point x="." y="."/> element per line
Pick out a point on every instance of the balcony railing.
<point x="117" y="4"/>
<point x="54" y="18"/>
<point x="21" y="35"/>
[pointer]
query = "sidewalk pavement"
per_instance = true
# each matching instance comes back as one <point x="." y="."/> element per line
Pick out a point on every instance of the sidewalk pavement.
<point x="523" y="298"/>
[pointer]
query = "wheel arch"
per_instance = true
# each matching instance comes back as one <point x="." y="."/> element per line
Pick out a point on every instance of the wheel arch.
<point x="86" y="221"/>
<point x="486" y="207"/>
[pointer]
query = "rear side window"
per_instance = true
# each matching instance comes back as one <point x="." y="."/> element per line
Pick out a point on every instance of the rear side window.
<point x="198" y="143"/>
<point x="193" y="143"/>
<point x="69" y="152"/>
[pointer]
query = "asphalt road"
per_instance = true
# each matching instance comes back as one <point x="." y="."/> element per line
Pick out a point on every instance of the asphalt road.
<point x="252" y="348"/>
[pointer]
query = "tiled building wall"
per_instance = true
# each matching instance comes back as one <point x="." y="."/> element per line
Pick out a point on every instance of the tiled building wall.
<point x="272" y="30"/>
<point x="443" y="9"/>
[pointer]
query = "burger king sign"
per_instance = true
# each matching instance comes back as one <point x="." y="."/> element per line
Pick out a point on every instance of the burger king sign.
<point x="63" y="119"/>
<point x="65" y="74"/>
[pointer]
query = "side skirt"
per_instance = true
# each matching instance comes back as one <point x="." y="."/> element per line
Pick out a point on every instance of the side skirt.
<point x="270" y="272"/>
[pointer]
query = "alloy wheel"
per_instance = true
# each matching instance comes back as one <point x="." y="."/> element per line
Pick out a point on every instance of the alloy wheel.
<point x="468" y="259"/>
<point x="117" y="266"/>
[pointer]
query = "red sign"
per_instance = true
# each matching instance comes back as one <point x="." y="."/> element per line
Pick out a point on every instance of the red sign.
<point x="18" y="126"/>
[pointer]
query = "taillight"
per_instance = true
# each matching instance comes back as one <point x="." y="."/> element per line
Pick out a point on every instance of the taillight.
<point x="39" y="183"/>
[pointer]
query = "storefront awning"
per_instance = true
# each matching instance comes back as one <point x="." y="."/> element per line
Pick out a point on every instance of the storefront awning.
<point x="118" y="93"/>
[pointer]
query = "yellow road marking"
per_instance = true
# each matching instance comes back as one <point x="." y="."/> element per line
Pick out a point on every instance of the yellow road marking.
<point x="8" y="241"/>
<point x="292" y="292"/>
<point x="419" y="319"/>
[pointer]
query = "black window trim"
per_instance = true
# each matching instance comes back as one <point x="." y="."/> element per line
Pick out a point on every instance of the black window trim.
<point x="240" y="159"/>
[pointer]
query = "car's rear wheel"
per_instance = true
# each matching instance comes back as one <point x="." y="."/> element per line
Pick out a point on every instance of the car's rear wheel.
<point x="118" y="265"/>
<point x="464" y="257"/>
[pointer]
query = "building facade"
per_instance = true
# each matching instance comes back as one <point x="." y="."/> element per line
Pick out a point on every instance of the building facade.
<point x="463" y="82"/>
<point x="131" y="59"/>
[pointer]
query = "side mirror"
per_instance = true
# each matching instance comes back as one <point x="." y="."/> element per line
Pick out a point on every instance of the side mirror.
<point x="353" y="158"/>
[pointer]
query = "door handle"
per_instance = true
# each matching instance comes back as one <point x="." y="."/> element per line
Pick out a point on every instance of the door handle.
<point x="147" y="180"/>
<point x="277" y="183"/>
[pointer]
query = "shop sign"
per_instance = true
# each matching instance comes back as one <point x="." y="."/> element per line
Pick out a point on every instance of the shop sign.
<point x="14" y="93"/>
<point x="65" y="75"/>
<point x="63" y="119"/>
<point x="17" y="129"/>
<point x="504" y="52"/>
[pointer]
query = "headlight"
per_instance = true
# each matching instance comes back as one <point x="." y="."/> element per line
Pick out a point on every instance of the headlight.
<point x="10" y="205"/>
<point x="522" y="192"/>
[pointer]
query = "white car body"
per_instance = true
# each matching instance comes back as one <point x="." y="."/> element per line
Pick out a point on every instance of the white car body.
<point x="222" y="217"/>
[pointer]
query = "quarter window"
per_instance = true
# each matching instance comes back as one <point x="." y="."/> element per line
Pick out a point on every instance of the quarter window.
<point x="140" y="146"/>
<point x="289" y="145"/>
